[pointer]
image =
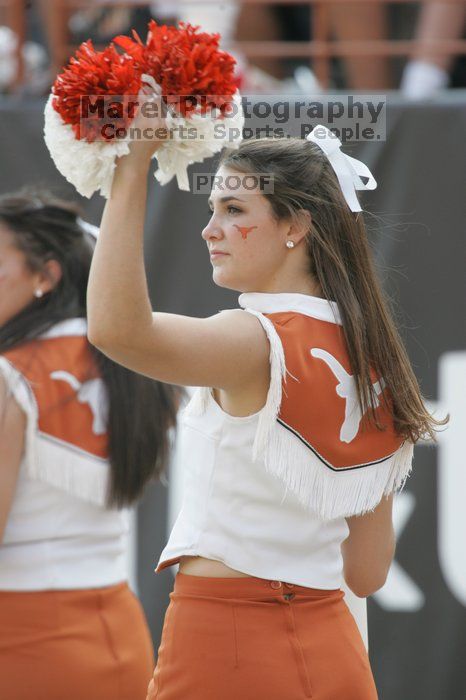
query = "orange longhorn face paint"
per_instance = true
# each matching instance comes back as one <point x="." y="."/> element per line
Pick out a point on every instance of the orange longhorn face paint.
<point x="244" y="230"/>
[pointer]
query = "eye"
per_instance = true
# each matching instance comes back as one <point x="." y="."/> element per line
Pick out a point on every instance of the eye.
<point x="234" y="209"/>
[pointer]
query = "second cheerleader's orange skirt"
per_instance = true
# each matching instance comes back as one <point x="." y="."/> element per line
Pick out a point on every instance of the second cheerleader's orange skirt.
<point x="253" y="639"/>
<point x="89" y="644"/>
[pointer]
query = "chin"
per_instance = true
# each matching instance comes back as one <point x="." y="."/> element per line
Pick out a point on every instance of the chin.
<point x="223" y="280"/>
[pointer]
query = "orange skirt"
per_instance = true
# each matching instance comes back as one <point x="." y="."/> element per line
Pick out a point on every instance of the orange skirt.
<point x="76" y="645"/>
<point x="254" y="639"/>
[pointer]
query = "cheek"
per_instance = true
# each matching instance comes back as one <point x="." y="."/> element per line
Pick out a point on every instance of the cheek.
<point x="14" y="276"/>
<point x="257" y="241"/>
<point x="15" y="291"/>
<point x="5" y="277"/>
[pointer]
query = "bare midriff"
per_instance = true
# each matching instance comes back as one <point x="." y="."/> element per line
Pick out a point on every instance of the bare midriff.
<point x="199" y="566"/>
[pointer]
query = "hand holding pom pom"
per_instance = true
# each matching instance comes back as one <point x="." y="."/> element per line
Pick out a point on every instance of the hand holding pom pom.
<point x="178" y="70"/>
<point x="149" y="130"/>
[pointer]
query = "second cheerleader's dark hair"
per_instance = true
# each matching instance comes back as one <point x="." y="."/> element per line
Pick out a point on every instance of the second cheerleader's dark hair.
<point x="340" y="260"/>
<point x="141" y="411"/>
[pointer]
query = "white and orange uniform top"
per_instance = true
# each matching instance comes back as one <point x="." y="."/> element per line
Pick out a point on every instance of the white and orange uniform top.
<point x="59" y="532"/>
<point x="268" y="494"/>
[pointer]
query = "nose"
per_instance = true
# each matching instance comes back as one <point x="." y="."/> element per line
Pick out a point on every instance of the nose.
<point x="212" y="231"/>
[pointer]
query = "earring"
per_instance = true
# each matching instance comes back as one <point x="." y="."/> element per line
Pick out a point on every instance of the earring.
<point x="289" y="244"/>
<point x="38" y="293"/>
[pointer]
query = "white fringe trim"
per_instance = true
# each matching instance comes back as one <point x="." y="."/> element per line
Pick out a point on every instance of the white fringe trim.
<point x="333" y="493"/>
<point x="278" y="371"/>
<point x="198" y="403"/>
<point x="70" y="469"/>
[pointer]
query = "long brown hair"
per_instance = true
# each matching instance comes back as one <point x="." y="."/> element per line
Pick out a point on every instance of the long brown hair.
<point x="141" y="411"/>
<point x="340" y="260"/>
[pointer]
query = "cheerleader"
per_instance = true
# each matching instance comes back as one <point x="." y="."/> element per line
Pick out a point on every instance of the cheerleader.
<point x="79" y="438"/>
<point x="300" y="430"/>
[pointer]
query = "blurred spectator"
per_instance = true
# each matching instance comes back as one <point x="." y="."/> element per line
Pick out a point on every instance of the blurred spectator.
<point x="34" y="58"/>
<point x="99" y="23"/>
<point x="235" y="21"/>
<point x="428" y="71"/>
<point x="351" y="21"/>
<point x="358" y="21"/>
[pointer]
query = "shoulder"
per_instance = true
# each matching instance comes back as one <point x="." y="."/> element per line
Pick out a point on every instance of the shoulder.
<point x="240" y="319"/>
<point x="15" y="392"/>
<point x="241" y="328"/>
<point x="12" y="410"/>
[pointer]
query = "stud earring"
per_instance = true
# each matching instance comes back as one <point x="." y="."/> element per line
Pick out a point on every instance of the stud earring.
<point x="38" y="293"/>
<point x="289" y="244"/>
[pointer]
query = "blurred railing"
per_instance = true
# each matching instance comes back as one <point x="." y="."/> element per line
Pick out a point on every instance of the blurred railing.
<point x="321" y="48"/>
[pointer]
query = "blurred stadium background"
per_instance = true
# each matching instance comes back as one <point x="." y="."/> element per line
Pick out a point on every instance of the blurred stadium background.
<point x="415" y="54"/>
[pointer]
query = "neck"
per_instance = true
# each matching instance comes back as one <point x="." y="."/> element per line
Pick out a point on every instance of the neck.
<point x="306" y="287"/>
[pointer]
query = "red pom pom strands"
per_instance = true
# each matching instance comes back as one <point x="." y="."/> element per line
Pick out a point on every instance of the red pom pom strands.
<point x="185" y="62"/>
<point x="90" y="75"/>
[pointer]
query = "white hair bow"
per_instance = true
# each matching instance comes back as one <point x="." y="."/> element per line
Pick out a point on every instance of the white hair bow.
<point x="89" y="228"/>
<point x="348" y="170"/>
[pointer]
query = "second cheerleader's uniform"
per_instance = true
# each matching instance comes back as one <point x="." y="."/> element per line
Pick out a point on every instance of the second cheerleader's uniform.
<point x="70" y="626"/>
<point x="267" y="494"/>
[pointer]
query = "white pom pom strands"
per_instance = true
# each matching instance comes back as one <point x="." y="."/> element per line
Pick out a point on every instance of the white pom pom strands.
<point x="89" y="167"/>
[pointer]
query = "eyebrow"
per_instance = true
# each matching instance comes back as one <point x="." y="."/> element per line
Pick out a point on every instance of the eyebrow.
<point x="225" y="199"/>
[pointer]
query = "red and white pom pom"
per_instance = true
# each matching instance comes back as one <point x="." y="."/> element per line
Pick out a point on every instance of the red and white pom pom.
<point x="186" y="67"/>
<point x="80" y="152"/>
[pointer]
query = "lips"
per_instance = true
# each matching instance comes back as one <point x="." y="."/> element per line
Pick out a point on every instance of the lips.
<point x="214" y="253"/>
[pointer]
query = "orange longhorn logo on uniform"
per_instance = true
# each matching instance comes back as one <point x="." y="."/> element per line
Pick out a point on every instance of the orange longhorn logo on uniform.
<point x="347" y="390"/>
<point x="319" y="400"/>
<point x="92" y="393"/>
<point x="70" y="395"/>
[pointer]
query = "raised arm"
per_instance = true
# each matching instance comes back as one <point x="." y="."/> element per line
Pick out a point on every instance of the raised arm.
<point x="225" y="351"/>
